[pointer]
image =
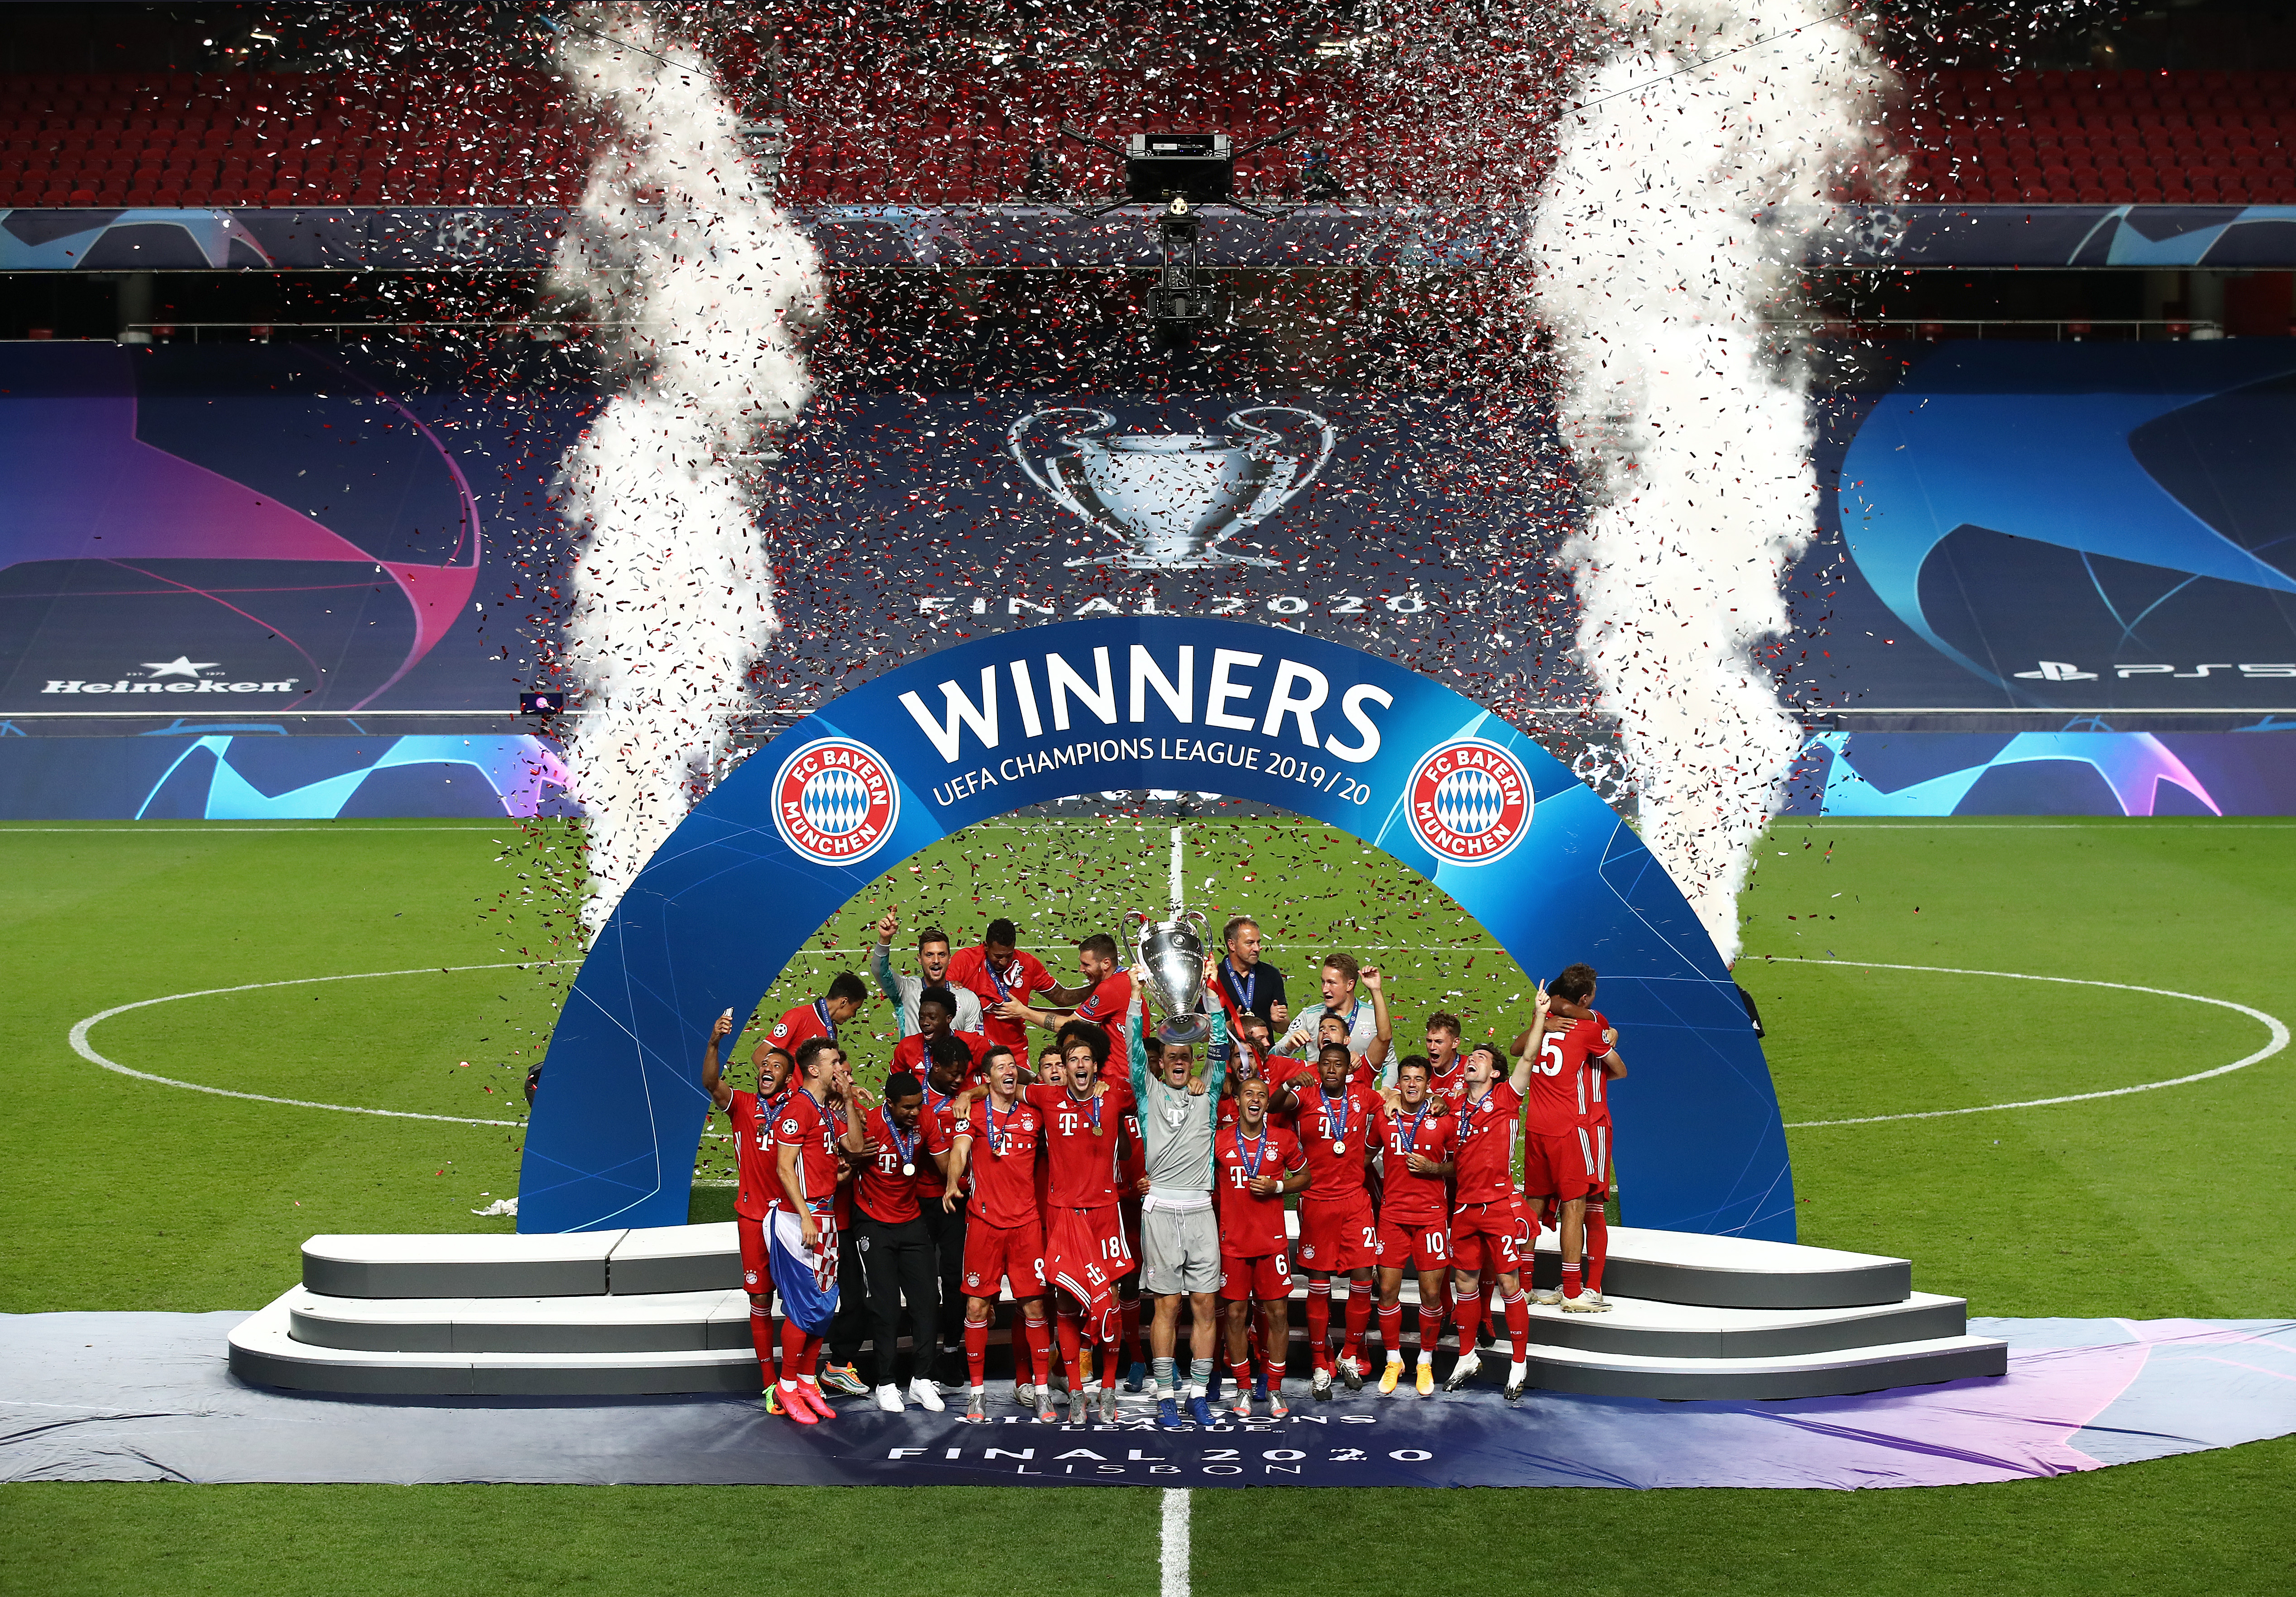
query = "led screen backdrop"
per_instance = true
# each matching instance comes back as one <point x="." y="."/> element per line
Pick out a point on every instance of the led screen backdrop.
<point x="253" y="530"/>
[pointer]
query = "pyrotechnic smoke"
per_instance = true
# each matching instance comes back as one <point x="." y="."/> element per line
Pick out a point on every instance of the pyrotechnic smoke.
<point x="698" y="283"/>
<point x="1677" y="211"/>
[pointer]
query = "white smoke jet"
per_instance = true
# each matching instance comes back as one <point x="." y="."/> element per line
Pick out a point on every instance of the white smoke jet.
<point x="1674" y="217"/>
<point x="698" y="283"/>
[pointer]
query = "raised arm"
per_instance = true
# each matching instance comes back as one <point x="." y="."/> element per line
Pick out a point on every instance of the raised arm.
<point x="1136" y="1044"/>
<point x="1532" y="1041"/>
<point x="713" y="1078"/>
<point x="1383" y="1043"/>
<point x="880" y="961"/>
<point x="1216" y="1076"/>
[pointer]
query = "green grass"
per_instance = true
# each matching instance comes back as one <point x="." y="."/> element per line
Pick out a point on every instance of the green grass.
<point x="2168" y="1202"/>
<point x="2208" y="1524"/>
<point x="2158" y="1203"/>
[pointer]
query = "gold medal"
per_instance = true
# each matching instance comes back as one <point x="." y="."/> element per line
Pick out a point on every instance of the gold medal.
<point x="1340" y="1147"/>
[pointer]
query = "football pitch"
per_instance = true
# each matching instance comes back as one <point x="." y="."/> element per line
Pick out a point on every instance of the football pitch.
<point x="380" y="966"/>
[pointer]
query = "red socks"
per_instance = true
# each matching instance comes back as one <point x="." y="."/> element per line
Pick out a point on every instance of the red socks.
<point x="1430" y="1330"/>
<point x="1358" y="1312"/>
<point x="1319" y="1323"/>
<point x="799" y="1353"/>
<point x="1517" y="1323"/>
<point x="1571" y="1278"/>
<point x="1071" y="1354"/>
<point x="1466" y="1315"/>
<point x="1239" y="1371"/>
<point x="761" y="1337"/>
<point x="1037" y="1337"/>
<point x="1598" y="1243"/>
<point x="976" y="1351"/>
<point x="1390" y="1329"/>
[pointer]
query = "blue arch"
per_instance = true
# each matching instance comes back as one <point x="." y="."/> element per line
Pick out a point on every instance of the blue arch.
<point x="727" y="900"/>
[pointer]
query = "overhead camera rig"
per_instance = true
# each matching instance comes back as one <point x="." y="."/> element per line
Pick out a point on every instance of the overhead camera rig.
<point x="1181" y="173"/>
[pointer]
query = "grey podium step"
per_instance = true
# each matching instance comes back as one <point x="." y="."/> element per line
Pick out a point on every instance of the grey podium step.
<point x="1654" y="1265"/>
<point x="625" y="1313"/>
<point x="266" y="1350"/>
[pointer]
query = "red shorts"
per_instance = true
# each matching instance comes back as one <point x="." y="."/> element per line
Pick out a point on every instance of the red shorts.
<point x="1493" y="1228"/>
<point x="1601" y="1134"/>
<point x="1267" y="1278"/>
<point x="1337" y="1235"/>
<point x="1089" y="1248"/>
<point x="994" y="1254"/>
<point x="1560" y="1167"/>
<point x="757" y="1274"/>
<point x="1129" y="1207"/>
<point x="1404" y="1246"/>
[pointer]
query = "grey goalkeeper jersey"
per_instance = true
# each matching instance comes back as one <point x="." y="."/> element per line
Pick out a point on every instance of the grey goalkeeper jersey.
<point x="1177" y="1126"/>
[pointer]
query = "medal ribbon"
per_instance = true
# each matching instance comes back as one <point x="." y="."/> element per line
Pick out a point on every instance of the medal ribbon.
<point x="821" y="1012"/>
<point x="1243" y="988"/>
<point x="893" y="1133"/>
<point x="1260" y="1153"/>
<point x="1339" y="1121"/>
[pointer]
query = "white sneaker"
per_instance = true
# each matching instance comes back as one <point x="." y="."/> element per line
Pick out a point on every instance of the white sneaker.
<point x="888" y="1398"/>
<point x="926" y="1395"/>
<point x="1548" y="1296"/>
<point x="1463" y="1372"/>
<point x="1585" y="1303"/>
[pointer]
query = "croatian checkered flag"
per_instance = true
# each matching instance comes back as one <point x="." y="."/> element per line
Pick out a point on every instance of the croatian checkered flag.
<point x="805" y="1277"/>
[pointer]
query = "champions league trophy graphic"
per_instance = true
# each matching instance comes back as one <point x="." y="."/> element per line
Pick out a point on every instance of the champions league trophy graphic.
<point x="1168" y="962"/>
<point x="1173" y="498"/>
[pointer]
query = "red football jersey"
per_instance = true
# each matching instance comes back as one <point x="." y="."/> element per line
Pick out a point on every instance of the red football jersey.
<point x="1283" y="1070"/>
<point x="756" y="1190"/>
<point x="1085" y="1168"/>
<point x="909" y="1054"/>
<point x="969" y="968"/>
<point x="884" y="1192"/>
<point x="1598" y="1106"/>
<point x="1337" y="1132"/>
<point x="1404" y="1198"/>
<point x="1558" y="1078"/>
<point x="1132" y="1158"/>
<point x="1105" y="1005"/>
<point x="806" y="1021"/>
<point x="1485" y="1143"/>
<point x="1252" y="1227"/>
<point x="942" y="1113"/>
<point x="1003" y="1161"/>
<point x="806" y="1127"/>
<point x="1450" y="1085"/>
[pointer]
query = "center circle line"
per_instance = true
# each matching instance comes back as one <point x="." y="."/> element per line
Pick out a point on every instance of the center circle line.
<point x="81" y="1046"/>
<point x="2278" y="1029"/>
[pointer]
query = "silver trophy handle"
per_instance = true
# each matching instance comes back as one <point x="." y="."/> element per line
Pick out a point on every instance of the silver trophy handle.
<point x="1273" y="495"/>
<point x="1050" y="481"/>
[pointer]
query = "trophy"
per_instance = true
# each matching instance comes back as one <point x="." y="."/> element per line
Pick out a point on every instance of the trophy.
<point x="1169" y="964"/>
<point x="1173" y="498"/>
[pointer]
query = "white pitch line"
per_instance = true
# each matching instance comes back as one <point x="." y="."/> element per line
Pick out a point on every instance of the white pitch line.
<point x="2278" y="1030"/>
<point x="1173" y="1561"/>
<point x="80" y="1043"/>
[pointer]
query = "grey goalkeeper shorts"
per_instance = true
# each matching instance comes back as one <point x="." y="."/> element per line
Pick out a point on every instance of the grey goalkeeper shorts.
<point x="1180" y="1251"/>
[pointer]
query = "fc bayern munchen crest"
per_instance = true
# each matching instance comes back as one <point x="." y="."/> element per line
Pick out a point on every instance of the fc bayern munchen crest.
<point x="835" y="801"/>
<point x="1468" y="801"/>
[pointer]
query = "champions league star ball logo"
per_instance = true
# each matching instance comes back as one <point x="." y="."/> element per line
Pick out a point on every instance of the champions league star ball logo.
<point x="1172" y="499"/>
<point x="835" y="801"/>
<point x="1469" y="802"/>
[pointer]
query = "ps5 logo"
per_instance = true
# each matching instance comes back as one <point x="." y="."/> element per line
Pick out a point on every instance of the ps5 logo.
<point x="2058" y="670"/>
<point x="1172" y="499"/>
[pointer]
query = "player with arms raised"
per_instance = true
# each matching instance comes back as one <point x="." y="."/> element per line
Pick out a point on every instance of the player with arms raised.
<point x="1488" y="1218"/>
<point x="755" y="1179"/>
